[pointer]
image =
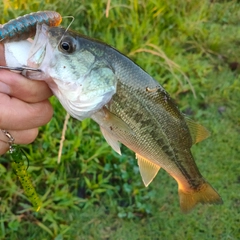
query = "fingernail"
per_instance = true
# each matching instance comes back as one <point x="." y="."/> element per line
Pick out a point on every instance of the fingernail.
<point x="4" y="88"/>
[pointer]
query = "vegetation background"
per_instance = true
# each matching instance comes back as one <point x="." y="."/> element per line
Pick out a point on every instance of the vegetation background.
<point x="192" y="49"/>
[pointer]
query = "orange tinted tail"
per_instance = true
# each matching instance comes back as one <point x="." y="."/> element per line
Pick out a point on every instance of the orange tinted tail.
<point x="206" y="195"/>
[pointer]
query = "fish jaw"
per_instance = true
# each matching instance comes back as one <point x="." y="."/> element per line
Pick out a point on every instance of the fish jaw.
<point x="81" y="81"/>
<point x="16" y="53"/>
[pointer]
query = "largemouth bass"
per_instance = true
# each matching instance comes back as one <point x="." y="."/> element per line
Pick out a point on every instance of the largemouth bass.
<point x="92" y="79"/>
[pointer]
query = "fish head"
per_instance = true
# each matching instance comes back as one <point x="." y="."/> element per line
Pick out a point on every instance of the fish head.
<point x="75" y="68"/>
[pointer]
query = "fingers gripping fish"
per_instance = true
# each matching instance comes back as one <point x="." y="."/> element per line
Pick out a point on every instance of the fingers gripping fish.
<point x="16" y="30"/>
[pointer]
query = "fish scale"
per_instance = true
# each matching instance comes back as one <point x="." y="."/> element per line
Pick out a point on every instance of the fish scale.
<point x="155" y="124"/>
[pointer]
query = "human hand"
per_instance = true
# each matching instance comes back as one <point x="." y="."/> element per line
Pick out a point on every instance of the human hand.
<point x="24" y="106"/>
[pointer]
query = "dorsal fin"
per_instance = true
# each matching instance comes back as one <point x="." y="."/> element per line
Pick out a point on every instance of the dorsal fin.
<point x="147" y="169"/>
<point x="197" y="131"/>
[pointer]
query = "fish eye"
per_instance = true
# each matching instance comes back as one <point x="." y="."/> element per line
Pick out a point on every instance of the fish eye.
<point x="67" y="46"/>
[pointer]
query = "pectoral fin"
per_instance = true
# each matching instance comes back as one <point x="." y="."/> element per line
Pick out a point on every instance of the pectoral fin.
<point x="147" y="169"/>
<point x="116" y="124"/>
<point x="113" y="128"/>
<point x="111" y="140"/>
<point x="197" y="131"/>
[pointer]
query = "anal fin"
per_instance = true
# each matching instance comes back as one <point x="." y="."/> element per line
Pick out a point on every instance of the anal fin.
<point x="147" y="169"/>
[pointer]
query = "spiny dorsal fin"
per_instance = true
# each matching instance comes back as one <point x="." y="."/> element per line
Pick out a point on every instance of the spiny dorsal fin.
<point x="111" y="140"/>
<point x="147" y="169"/>
<point x="197" y="131"/>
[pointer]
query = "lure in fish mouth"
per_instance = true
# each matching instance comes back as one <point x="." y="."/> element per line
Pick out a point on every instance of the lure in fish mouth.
<point x="92" y="79"/>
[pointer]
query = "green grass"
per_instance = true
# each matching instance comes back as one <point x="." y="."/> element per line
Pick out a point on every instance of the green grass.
<point x="190" y="48"/>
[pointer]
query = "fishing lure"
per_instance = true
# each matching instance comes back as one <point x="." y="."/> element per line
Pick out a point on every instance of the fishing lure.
<point x="20" y="169"/>
<point x="24" y="27"/>
<point x="23" y="176"/>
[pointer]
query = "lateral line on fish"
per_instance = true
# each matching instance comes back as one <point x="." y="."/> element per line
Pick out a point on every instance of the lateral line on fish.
<point x="181" y="168"/>
<point x="156" y="120"/>
<point x="185" y="174"/>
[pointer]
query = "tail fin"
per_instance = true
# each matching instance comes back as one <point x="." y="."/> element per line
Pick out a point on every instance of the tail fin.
<point x="205" y="195"/>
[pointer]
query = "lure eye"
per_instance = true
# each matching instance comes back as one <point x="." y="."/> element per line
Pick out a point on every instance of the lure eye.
<point x="67" y="45"/>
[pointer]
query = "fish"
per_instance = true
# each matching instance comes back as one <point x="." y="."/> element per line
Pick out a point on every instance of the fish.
<point x="23" y="176"/>
<point x="93" y="80"/>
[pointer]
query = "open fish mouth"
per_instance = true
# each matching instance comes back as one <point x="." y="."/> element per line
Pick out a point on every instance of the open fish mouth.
<point x="26" y="56"/>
